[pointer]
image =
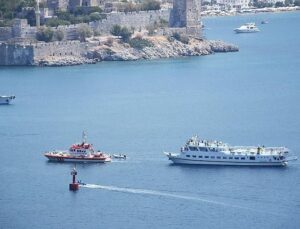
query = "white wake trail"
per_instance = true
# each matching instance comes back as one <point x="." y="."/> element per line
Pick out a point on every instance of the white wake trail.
<point x="171" y="195"/>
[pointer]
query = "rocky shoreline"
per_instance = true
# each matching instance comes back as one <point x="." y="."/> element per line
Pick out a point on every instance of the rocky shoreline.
<point x="161" y="47"/>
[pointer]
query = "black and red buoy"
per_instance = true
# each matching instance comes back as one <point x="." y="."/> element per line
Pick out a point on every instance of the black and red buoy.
<point x="74" y="186"/>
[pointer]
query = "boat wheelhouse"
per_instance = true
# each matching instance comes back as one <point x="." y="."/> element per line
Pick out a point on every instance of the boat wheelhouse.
<point x="79" y="152"/>
<point x="197" y="151"/>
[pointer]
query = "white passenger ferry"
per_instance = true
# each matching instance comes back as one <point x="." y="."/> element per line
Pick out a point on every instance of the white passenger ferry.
<point x="79" y="152"/>
<point x="197" y="151"/>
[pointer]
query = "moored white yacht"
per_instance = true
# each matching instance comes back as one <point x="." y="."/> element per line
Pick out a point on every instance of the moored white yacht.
<point x="6" y="99"/>
<point x="197" y="151"/>
<point x="247" y="28"/>
<point x="79" y="152"/>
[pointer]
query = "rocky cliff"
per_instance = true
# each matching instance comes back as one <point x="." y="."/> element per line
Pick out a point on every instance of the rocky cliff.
<point x="162" y="47"/>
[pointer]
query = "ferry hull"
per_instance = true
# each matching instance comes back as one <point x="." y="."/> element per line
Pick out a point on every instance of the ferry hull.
<point x="203" y="162"/>
<point x="78" y="160"/>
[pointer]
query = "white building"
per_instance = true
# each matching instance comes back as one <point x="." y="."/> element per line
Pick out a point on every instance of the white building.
<point x="273" y="1"/>
<point x="234" y="4"/>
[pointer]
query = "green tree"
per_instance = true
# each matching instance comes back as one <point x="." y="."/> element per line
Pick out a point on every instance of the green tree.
<point x="122" y="32"/>
<point x="288" y="2"/>
<point x="9" y="8"/>
<point x="54" y="22"/>
<point x="44" y="34"/>
<point x="150" y="5"/>
<point x="297" y="2"/>
<point x="59" y="34"/>
<point x="140" y="43"/>
<point x="279" y="4"/>
<point x="84" y="31"/>
<point x="180" y="37"/>
<point x="95" y="16"/>
<point x="116" y="30"/>
<point x="125" y="34"/>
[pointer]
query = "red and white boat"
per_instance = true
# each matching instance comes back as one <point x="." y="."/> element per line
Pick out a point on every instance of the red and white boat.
<point x="79" y="152"/>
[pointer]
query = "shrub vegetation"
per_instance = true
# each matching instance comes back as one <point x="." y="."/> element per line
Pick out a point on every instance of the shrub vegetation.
<point x="182" y="38"/>
<point x="122" y="32"/>
<point x="59" y="34"/>
<point x="139" y="43"/>
<point x="44" y="34"/>
<point x="84" y="31"/>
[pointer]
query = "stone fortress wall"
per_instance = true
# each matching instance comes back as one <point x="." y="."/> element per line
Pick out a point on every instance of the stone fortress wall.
<point x="19" y="47"/>
<point x="5" y="33"/>
<point x="137" y="20"/>
<point x="30" y="53"/>
<point x="58" y="48"/>
<point x="16" y="54"/>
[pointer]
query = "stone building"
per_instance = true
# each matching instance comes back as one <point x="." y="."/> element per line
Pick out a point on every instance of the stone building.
<point x="186" y="15"/>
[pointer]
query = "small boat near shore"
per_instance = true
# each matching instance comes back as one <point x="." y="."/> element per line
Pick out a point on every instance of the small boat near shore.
<point x="6" y="99"/>
<point x="204" y="152"/>
<point x="119" y="156"/>
<point x="247" y="28"/>
<point x="79" y="152"/>
<point x="264" y="22"/>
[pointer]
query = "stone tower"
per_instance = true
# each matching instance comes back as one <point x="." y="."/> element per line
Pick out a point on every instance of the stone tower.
<point x="38" y="14"/>
<point x="186" y="14"/>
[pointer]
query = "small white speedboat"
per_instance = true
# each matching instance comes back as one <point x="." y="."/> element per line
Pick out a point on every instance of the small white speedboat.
<point x="247" y="28"/>
<point x="119" y="156"/>
<point x="6" y="99"/>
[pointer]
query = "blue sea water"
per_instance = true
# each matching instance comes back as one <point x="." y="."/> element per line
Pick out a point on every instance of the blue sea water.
<point x="142" y="109"/>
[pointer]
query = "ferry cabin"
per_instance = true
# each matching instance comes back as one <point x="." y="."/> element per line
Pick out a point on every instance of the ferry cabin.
<point x="80" y="149"/>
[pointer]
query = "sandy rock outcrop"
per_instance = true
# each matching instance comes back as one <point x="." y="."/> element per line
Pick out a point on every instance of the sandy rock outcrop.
<point x="161" y="48"/>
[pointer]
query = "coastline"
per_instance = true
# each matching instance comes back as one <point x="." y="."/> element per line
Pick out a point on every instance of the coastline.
<point x="161" y="48"/>
<point x="220" y="13"/>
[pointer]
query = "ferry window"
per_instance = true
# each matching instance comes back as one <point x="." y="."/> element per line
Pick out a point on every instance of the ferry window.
<point x="203" y="149"/>
<point x="192" y="148"/>
<point x="187" y="155"/>
<point x="224" y="157"/>
<point x="200" y="156"/>
<point x="206" y="156"/>
<point x="212" y="157"/>
<point x="219" y="157"/>
<point x="194" y="155"/>
<point x="252" y="158"/>
<point x="230" y="157"/>
<point x="236" y="158"/>
<point x="242" y="158"/>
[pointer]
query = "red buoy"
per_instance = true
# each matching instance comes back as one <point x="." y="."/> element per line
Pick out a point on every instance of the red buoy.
<point x="74" y="186"/>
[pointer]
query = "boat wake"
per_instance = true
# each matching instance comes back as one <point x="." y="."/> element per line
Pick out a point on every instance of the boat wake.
<point x="171" y="195"/>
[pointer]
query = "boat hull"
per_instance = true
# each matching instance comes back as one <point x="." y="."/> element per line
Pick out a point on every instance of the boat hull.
<point x="77" y="159"/>
<point x="6" y="99"/>
<point x="177" y="160"/>
<point x="246" y="31"/>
